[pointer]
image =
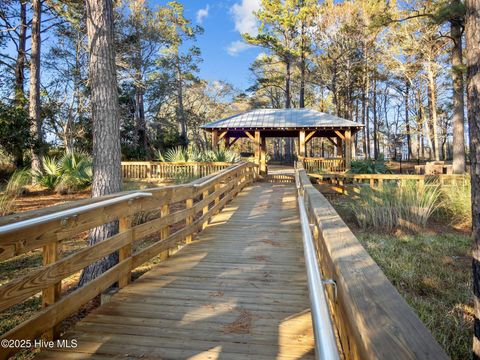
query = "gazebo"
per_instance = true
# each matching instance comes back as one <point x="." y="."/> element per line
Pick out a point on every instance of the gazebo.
<point x="304" y="124"/>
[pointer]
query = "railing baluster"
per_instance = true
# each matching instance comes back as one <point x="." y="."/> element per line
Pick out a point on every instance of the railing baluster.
<point x="51" y="254"/>
<point x="125" y="252"/>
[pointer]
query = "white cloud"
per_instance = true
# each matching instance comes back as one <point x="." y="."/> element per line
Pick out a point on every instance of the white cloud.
<point x="202" y="14"/>
<point x="243" y="15"/>
<point x="237" y="47"/>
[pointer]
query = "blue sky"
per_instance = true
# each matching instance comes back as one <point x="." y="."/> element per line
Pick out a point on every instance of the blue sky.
<point x="225" y="57"/>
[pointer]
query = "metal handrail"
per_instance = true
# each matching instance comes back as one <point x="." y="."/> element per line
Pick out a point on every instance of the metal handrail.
<point x="325" y="342"/>
<point x="20" y="225"/>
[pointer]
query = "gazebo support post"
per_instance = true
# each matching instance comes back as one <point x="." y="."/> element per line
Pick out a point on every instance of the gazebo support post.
<point x="348" y="149"/>
<point x="214" y="140"/>
<point x="301" y="144"/>
<point x="263" y="155"/>
<point x="339" y="147"/>
<point x="260" y="152"/>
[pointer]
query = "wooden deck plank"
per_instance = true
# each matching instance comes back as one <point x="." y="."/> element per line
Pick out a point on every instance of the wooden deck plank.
<point x="238" y="291"/>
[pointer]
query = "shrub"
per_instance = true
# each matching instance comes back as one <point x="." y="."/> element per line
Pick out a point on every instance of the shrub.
<point x="369" y="167"/>
<point x="72" y="172"/>
<point x="184" y="177"/>
<point x="392" y="206"/>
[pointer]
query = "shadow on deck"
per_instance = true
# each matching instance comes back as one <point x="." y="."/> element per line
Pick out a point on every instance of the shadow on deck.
<point x="239" y="291"/>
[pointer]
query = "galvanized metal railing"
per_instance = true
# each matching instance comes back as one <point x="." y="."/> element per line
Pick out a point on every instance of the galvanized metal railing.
<point x="325" y="341"/>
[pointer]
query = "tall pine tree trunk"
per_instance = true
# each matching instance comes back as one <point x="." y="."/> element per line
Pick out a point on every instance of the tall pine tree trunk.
<point x="375" y="120"/>
<point x="20" y="74"/>
<point x="303" y="66"/>
<point x="432" y="106"/>
<point x="34" y="107"/>
<point x="106" y="120"/>
<point x="407" y="121"/>
<point x="139" y="115"/>
<point x="458" y="119"/>
<point x="20" y="61"/>
<point x="180" y="110"/>
<point x="287" y="84"/>
<point x="472" y="37"/>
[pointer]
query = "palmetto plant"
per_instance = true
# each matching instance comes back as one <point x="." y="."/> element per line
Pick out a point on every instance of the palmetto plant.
<point x="73" y="171"/>
<point x="180" y="154"/>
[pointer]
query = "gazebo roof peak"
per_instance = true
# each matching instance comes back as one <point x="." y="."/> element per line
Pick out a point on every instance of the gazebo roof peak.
<point x="288" y="119"/>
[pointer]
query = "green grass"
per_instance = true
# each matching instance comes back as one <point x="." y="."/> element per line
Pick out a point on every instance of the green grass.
<point x="432" y="272"/>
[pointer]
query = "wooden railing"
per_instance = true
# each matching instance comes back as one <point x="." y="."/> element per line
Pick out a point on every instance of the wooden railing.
<point x="199" y="201"/>
<point x="347" y="183"/>
<point x="372" y="320"/>
<point x="168" y="171"/>
<point x="319" y="165"/>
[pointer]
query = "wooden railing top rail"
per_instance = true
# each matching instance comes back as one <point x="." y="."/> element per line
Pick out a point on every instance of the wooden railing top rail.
<point x="322" y="158"/>
<point x="218" y="163"/>
<point x="385" y="176"/>
<point x="373" y="320"/>
<point x="65" y="214"/>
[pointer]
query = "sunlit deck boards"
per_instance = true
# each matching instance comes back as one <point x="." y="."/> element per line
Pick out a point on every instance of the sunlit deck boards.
<point x="238" y="291"/>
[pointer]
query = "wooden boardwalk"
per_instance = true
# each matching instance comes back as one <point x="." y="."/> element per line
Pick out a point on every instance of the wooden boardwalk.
<point x="238" y="291"/>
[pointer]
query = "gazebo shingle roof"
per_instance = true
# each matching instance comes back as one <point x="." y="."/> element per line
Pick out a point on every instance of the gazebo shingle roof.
<point x="282" y="119"/>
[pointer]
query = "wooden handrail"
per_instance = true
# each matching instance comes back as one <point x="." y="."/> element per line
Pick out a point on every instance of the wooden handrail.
<point x="373" y="321"/>
<point x="346" y="183"/>
<point x="202" y="199"/>
<point x="167" y="171"/>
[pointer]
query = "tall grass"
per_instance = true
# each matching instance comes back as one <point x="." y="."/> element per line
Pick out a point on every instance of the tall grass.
<point x="392" y="206"/>
<point x="456" y="204"/>
<point x="13" y="189"/>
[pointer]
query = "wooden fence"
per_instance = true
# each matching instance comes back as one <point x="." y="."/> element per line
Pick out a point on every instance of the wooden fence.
<point x="168" y="171"/>
<point x="372" y="320"/>
<point x="318" y="165"/>
<point x="46" y="229"/>
<point x="347" y="183"/>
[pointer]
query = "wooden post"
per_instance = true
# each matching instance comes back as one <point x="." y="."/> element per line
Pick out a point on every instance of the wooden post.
<point x="189" y="220"/>
<point x="149" y="170"/>
<point x="258" y="151"/>
<point x="339" y="147"/>
<point x="263" y="155"/>
<point x="348" y="149"/>
<point x="214" y="140"/>
<point x="301" y="144"/>
<point x="217" y="198"/>
<point x="125" y="224"/>
<point x="51" y="254"/>
<point x="165" y="232"/>
<point x="205" y="208"/>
